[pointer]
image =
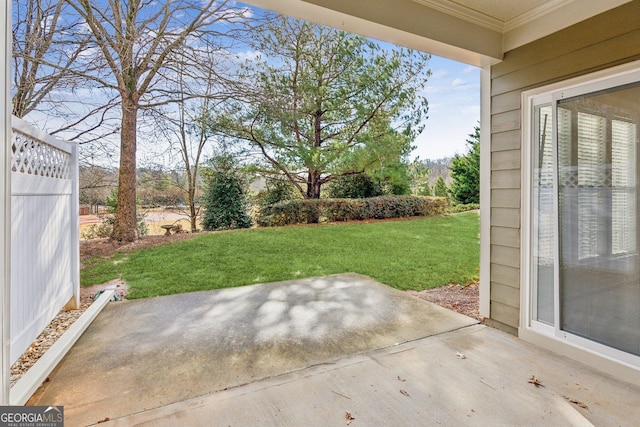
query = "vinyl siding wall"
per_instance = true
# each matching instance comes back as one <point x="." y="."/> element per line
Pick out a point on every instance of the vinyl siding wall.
<point x="606" y="40"/>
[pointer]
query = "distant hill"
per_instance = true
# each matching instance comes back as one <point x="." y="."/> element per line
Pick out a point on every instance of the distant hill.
<point x="438" y="168"/>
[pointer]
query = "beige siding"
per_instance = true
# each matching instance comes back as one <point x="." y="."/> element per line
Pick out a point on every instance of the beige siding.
<point x="504" y="160"/>
<point x="505" y="275"/>
<point x="601" y="42"/>
<point x="505" y="294"/>
<point x="503" y="313"/>
<point x="505" y="255"/>
<point x="508" y="198"/>
<point x="505" y="217"/>
<point x="506" y="102"/>
<point x="505" y="179"/>
<point x="503" y="236"/>
<point x="505" y="140"/>
<point x="507" y="121"/>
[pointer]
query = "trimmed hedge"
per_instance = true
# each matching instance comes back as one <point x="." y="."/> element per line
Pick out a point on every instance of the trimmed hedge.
<point x="463" y="207"/>
<point x="335" y="210"/>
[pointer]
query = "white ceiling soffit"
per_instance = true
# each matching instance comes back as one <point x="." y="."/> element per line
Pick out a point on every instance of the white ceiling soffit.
<point x="402" y="22"/>
<point x="497" y="15"/>
<point x="476" y="32"/>
<point x="522" y="21"/>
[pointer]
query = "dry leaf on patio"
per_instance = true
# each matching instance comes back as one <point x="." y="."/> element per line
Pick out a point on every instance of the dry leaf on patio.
<point x="405" y="393"/>
<point x="349" y="417"/>
<point x="401" y="379"/>
<point x="535" y="381"/>
<point x="577" y="402"/>
<point x="460" y="355"/>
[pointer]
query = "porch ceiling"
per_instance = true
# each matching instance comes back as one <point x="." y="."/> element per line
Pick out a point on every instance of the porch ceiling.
<point x="477" y="32"/>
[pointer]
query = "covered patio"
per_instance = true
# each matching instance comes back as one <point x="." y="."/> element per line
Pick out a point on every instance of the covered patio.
<point x="529" y="52"/>
<point x="307" y="352"/>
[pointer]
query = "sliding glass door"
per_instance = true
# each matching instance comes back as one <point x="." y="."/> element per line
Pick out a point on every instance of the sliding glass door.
<point x="585" y="267"/>
<point x="597" y="193"/>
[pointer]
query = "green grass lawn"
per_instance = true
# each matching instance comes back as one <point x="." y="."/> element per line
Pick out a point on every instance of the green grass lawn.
<point x="414" y="254"/>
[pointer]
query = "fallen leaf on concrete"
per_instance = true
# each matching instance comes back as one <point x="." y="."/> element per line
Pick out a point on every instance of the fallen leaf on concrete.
<point x="401" y="379"/>
<point x="340" y="394"/>
<point x="460" y="355"/>
<point x="535" y="381"/>
<point x="348" y="417"/>
<point x="405" y="393"/>
<point x="577" y="402"/>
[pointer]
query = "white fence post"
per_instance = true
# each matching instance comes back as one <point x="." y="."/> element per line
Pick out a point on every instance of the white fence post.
<point x="75" y="227"/>
<point x="5" y="208"/>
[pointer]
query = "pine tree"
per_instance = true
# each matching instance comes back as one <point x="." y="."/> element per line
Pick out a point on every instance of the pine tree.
<point x="465" y="171"/>
<point x="440" y="188"/>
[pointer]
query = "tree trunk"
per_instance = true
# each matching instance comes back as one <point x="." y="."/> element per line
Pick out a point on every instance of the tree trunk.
<point x="193" y="213"/>
<point x="125" y="227"/>
<point x="313" y="185"/>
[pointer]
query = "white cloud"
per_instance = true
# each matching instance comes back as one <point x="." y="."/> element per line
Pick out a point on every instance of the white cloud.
<point x="469" y="69"/>
<point x="471" y="110"/>
<point x="439" y="74"/>
<point x="250" y="55"/>
<point x="458" y="82"/>
<point x="90" y="52"/>
<point x="433" y="90"/>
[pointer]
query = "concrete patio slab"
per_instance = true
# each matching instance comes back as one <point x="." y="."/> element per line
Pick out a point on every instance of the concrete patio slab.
<point x="145" y="354"/>
<point x="421" y="383"/>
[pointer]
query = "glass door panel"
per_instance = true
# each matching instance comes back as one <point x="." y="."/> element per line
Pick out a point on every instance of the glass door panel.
<point x="543" y="216"/>
<point x="599" y="287"/>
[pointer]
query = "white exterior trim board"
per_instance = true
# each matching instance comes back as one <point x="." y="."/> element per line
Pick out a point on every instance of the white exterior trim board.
<point x="485" y="192"/>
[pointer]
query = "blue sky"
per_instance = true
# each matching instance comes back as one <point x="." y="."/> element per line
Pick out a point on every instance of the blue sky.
<point x="453" y="92"/>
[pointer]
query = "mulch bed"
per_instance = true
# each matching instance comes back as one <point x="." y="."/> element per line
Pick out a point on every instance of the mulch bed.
<point x="463" y="299"/>
<point x="107" y="248"/>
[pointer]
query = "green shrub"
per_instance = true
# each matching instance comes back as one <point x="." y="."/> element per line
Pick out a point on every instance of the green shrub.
<point x="225" y="202"/>
<point x="463" y="207"/>
<point x="278" y="190"/>
<point x="334" y="210"/>
<point x="357" y="186"/>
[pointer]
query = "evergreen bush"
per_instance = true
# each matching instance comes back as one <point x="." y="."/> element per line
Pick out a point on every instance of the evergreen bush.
<point x="225" y="202"/>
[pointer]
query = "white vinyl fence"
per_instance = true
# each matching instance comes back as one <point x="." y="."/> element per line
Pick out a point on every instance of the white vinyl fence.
<point x="44" y="232"/>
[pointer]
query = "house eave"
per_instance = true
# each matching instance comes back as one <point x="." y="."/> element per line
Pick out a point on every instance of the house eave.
<point x="404" y="23"/>
<point x="547" y="22"/>
<point x="442" y="27"/>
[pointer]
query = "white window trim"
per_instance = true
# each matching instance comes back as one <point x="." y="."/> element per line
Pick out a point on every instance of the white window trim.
<point x="613" y="361"/>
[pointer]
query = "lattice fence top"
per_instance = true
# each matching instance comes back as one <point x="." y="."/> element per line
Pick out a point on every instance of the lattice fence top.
<point x="34" y="157"/>
<point x="590" y="176"/>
